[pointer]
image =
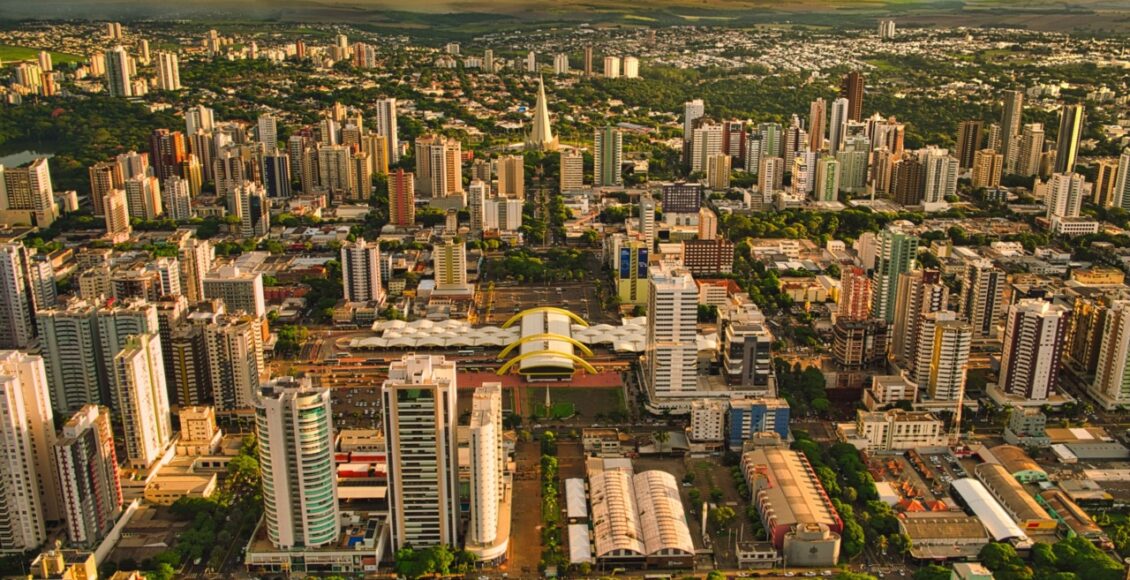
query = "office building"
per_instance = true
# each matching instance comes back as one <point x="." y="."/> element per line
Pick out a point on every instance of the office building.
<point x="119" y="75"/>
<point x="361" y="271"/>
<point x="488" y="531"/>
<point x="982" y="301"/>
<point x="608" y="156"/>
<point x="969" y="137"/>
<point x="139" y="394"/>
<point x="1033" y="344"/>
<point x="419" y="418"/>
<point x="747" y="418"/>
<point x="988" y="166"/>
<point x="541" y="136"/>
<point x="894" y="254"/>
<point x="1072" y="121"/>
<point x="293" y="421"/>
<point x="851" y="88"/>
<point x="630" y="264"/>
<point x="168" y="71"/>
<point x="236" y="365"/>
<point x="450" y="267"/>
<point x="672" y="355"/>
<point x="1111" y="387"/>
<point x="512" y="176"/>
<point x="86" y="465"/>
<point x="401" y="199"/>
<point x="240" y="290"/>
<point x="747" y="363"/>
<point x="572" y="171"/>
<point x="27" y="196"/>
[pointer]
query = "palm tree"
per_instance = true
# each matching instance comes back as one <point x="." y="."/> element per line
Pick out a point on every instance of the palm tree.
<point x="661" y="438"/>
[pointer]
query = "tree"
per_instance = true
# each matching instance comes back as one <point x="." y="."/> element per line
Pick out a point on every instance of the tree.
<point x="661" y="438"/>
<point x="932" y="572"/>
<point x="721" y="516"/>
<point x="715" y="575"/>
<point x="163" y="571"/>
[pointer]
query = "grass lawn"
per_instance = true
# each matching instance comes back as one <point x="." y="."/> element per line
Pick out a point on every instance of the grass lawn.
<point x="10" y="53"/>
<point x="555" y="410"/>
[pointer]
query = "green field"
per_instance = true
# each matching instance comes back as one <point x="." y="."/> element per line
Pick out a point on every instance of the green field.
<point x="555" y="411"/>
<point x="16" y="53"/>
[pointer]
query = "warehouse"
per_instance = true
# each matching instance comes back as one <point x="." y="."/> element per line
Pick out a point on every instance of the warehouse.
<point x="973" y="495"/>
<point x="638" y="520"/>
<point x="1015" y="499"/>
<point x="1018" y="463"/>
<point x="943" y="536"/>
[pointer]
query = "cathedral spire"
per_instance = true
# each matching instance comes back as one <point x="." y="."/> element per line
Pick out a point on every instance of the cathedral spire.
<point x="541" y="134"/>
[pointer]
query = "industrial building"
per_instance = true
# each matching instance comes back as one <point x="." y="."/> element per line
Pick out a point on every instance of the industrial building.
<point x="977" y="500"/>
<point x="943" y="536"/>
<point x="792" y="504"/>
<point x="1016" y="501"/>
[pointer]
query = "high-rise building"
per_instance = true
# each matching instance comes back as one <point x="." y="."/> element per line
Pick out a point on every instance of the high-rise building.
<point x="671" y="355"/>
<point x="1033" y="344"/>
<point x="734" y="140"/>
<point x="706" y="141"/>
<point x="140" y="395"/>
<point x="817" y="117"/>
<point x="707" y="224"/>
<point x="512" y="176"/>
<point x="104" y="177"/>
<point x="17" y="301"/>
<point x="450" y="266"/>
<point x="116" y="207"/>
<point x="168" y="71"/>
<point x="853" y="160"/>
<point x="22" y="477"/>
<point x="119" y="76"/>
<point x="541" y="136"/>
<point x="631" y="67"/>
<point x="1106" y="175"/>
<point x="827" y="185"/>
<point x="745" y="351"/>
<point x="167" y="153"/>
<point x="1120" y="197"/>
<point x="943" y="345"/>
<point x="143" y="197"/>
<point x="86" y="465"/>
<point x="1072" y="121"/>
<point x="611" y="67"/>
<point x="855" y="293"/>
<point x="572" y="170"/>
<point x="240" y="290"/>
<point x="250" y="204"/>
<point x="982" y="301"/>
<point x="608" y="156"/>
<point x="920" y="292"/>
<point x="588" y="60"/>
<point x="1111" y="387"/>
<point x="28" y="191"/>
<point x="276" y="174"/>
<point x="968" y="141"/>
<point x="294" y="424"/>
<point x="419" y="419"/>
<point x="894" y="254"/>
<point x="771" y="175"/>
<point x="402" y="199"/>
<point x="646" y="221"/>
<point x="1028" y="151"/>
<point x="988" y="165"/>
<point x="851" y="88"/>
<point x="195" y="259"/>
<point x="1065" y="195"/>
<point x="386" y="126"/>
<point x="490" y="498"/>
<point x="439" y="167"/>
<point x="361" y="271"/>
<point x="718" y="172"/>
<point x="531" y="62"/>
<point x="837" y="127"/>
<point x="69" y="341"/>
<point x="908" y="180"/>
<point x="1010" y="126"/>
<point x="886" y="29"/>
<point x="236" y="365"/>
<point x="176" y="199"/>
<point x="692" y="111"/>
<point x="860" y="343"/>
<point x="561" y="64"/>
<point x="940" y="180"/>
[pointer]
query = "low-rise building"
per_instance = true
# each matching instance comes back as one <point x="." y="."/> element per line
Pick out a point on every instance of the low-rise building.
<point x="893" y="430"/>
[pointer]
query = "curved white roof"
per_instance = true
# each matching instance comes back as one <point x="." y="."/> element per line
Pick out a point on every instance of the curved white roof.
<point x="630" y="336"/>
<point x="639" y="514"/>
<point x="662" y="517"/>
<point x="992" y="515"/>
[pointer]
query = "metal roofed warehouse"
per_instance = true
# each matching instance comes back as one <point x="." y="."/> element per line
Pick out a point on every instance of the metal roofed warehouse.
<point x="978" y="500"/>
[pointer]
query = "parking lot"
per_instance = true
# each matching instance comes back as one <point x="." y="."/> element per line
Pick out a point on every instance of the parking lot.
<point x="509" y="298"/>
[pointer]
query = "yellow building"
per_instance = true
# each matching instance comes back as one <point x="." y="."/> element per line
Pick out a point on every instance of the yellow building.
<point x="1099" y="276"/>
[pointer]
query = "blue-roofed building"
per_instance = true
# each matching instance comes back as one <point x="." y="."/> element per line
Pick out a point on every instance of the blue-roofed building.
<point x="749" y="416"/>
